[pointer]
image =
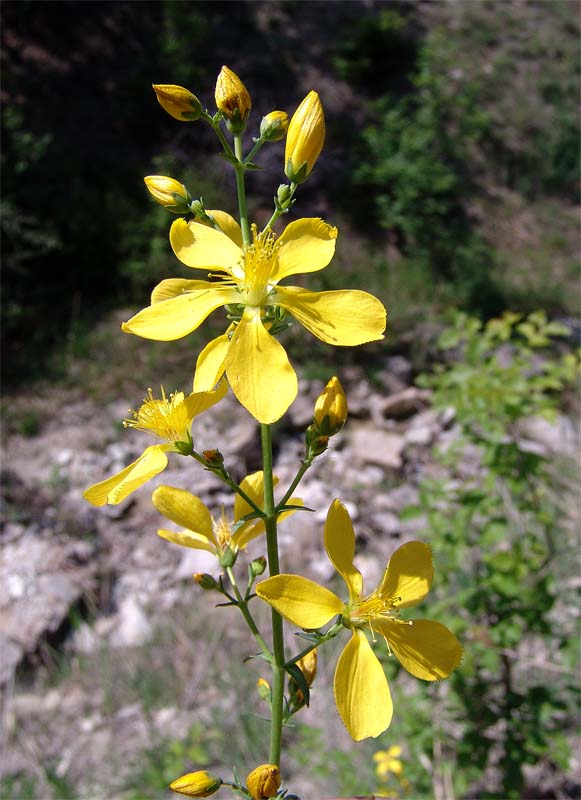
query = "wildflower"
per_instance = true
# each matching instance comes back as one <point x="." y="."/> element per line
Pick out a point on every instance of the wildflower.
<point x="426" y="649"/>
<point x="169" y="419"/>
<point x="247" y="280"/>
<point x="201" y="531"/>
<point x="169" y="193"/>
<point x="232" y="99"/>
<point x="331" y="409"/>
<point x="263" y="782"/>
<point x="273" y="126"/>
<point x="196" y="784"/>
<point x="179" y="103"/>
<point x="305" y="137"/>
<point x="387" y="762"/>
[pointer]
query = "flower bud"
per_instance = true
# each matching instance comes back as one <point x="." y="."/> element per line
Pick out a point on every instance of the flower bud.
<point x="308" y="666"/>
<point x="258" y="566"/>
<point x="305" y="137"/>
<point x="205" y="581"/>
<point x="232" y="99"/>
<point x="283" y="193"/>
<point x="331" y="409"/>
<point x="179" y="103"/>
<point x="263" y="687"/>
<point x="197" y="784"/>
<point x="263" y="782"/>
<point x="169" y="193"/>
<point x="213" y="458"/>
<point x="274" y="126"/>
<point x="316" y="443"/>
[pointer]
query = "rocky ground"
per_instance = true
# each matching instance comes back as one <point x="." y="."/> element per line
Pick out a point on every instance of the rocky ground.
<point x="107" y="646"/>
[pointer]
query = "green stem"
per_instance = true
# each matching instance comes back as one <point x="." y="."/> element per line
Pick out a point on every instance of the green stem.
<point x="229" y="481"/>
<point x="280" y="210"/>
<point x="219" y="133"/>
<point x="297" y="479"/>
<point x="278" y="671"/>
<point x="254" y="151"/>
<point x="243" y="606"/>
<point x="239" y="169"/>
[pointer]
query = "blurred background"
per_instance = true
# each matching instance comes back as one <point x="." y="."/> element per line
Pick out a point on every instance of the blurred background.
<point x="451" y="167"/>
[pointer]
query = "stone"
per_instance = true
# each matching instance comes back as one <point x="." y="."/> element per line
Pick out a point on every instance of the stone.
<point x="371" y="445"/>
<point x="404" y="404"/>
<point x="133" y="627"/>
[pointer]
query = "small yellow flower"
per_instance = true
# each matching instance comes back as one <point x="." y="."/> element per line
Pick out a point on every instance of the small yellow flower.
<point x="426" y="649"/>
<point x="232" y="98"/>
<point x="331" y="408"/>
<point x="169" y="419"/>
<point x="169" y="193"/>
<point x="248" y="279"/>
<point x="201" y="531"/>
<point x="263" y="782"/>
<point x="274" y="126"/>
<point x="196" y="784"/>
<point x="179" y="103"/>
<point x="387" y="762"/>
<point x="305" y="137"/>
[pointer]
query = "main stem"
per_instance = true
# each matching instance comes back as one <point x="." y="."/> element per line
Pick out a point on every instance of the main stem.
<point x="277" y="629"/>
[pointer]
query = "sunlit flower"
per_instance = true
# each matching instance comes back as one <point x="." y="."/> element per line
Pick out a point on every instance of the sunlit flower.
<point x="387" y="762"/>
<point x="426" y="649"/>
<point x="201" y="531"/>
<point x="196" y="784"/>
<point x="263" y="782"/>
<point x="247" y="281"/>
<point x="169" y="419"/>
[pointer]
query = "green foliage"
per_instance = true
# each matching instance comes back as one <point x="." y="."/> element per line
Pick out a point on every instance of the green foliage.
<point x="497" y="528"/>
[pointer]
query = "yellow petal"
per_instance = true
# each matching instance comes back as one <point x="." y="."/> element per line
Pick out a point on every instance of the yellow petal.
<point x="228" y="225"/>
<point x="186" y="510"/>
<point x="339" y="540"/>
<point x="303" y="602"/>
<point x="211" y="362"/>
<point x="171" y="319"/>
<point x="200" y="401"/>
<point x="113" y="490"/>
<point x="202" y="247"/>
<point x="173" y="287"/>
<point x="345" y="317"/>
<point x="253" y="486"/>
<point x="307" y="246"/>
<point x="188" y="539"/>
<point x="259" y="371"/>
<point x="408" y="575"/>
<point x="361" y="690"/>
<point x="426" y="649"/>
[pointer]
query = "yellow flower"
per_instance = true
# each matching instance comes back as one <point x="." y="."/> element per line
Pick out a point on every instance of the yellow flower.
<point x="274" y="126"/>
<point x="305" y="137"/>
<point x="263" y="782"/>
<point x="426" y="649"/>
<point x="202" y="532"/>
<point x="331" y="408"/>
<point x="169" y="419"/>
<point x="169" y="193"/>
<point x="387" y="762"/>
<point x="179" y="103"/>
<point x="196" y="784"/>
<point x="232" y="97"/>
<point x="247" y="280"/>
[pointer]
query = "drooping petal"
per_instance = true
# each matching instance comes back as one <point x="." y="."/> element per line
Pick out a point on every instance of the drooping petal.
<point x="115" y="489"/>
<point x="259" y="371"/>
<point x="211" y="362"/>
<point x="408" y="575"/>
<point x="345" y="317"/>
<point x="253" y="486"/>
<point x="339" y="538"/>
<point x="173" y="287"/>
<point x="426" y="649"/>
<point x="171" y="319"/>
<point x="229" y="225"/>
<point x="361" y="690"/>
<point x="306" y="245"/>
<point x="188" y="539"/>
<point x="300" y="600"/>
<point x="186" y="510"/>
<point x="202" y="247"/>
<point x="197" y="402"/>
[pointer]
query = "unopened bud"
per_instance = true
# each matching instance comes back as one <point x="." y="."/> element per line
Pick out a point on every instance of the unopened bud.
<point x="305" y="137"/>
<point x="274" y="126"/>
<point x="263" y="782"/>
<point x="179" y="103"/>
<point x="308" y="666"/>
<point x="196" y="784"/>
<point x="205" y="581"/>
<point x="263" y="687"/>
<point x="258" y="566"/>
<point x="316" y="443"/>
<point x="283" y="193"/>
<point x="331" y="408"/>
<point x="213" y="458"/>
<point x="169" y="193"/>
<point x="232" y="99"/>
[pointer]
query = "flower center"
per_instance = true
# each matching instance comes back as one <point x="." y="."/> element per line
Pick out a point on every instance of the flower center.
<point x="259" y="261"/>
<point x="167" y="418"/>
<point x="222" y="530"/>
<point x="371" y="607"/>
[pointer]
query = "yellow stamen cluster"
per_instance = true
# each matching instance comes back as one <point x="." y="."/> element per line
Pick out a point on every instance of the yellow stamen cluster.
<point x="168" y="418"/>
<point x="371" y="607"/>
<point x="222" y="530"/>
<point x="258" y="264"/>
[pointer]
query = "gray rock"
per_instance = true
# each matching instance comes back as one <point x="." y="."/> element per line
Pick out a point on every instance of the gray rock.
<point x="371" y="445"/>
<point x="406" y="403"/>
<point x="133" y="627"/>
